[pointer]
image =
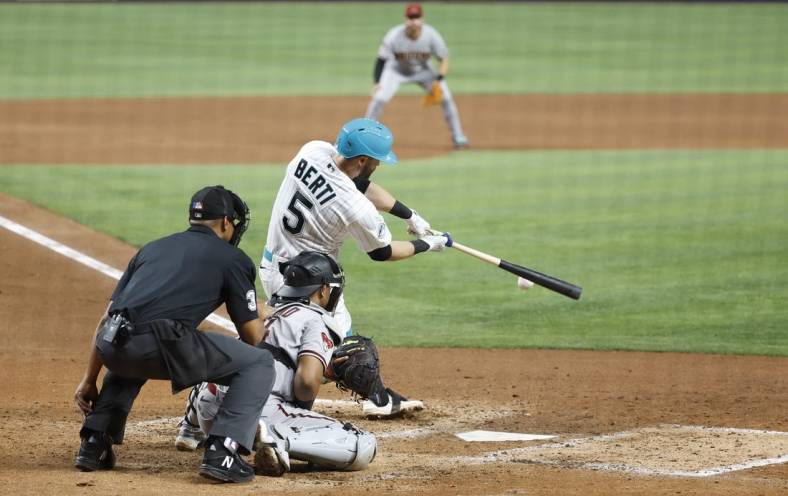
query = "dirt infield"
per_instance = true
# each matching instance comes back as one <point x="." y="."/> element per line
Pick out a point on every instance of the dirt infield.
<point x="625" y="423"/>
<point x="259" y="129"/>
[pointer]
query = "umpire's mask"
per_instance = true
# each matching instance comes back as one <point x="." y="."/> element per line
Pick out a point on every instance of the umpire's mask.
<point x="307" y="272"/>
<point x="215" y="202"/>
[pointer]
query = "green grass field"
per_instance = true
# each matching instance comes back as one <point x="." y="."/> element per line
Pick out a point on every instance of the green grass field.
<point x="677" y="250"/>
<point x="329" y="49"/>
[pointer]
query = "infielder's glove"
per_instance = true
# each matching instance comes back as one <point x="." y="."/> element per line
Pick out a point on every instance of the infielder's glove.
<point x="434" y="97"/>
<point x="360" y="371"/>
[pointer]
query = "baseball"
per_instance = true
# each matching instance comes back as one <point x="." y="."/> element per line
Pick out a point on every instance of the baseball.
<point x="524" y="284"/>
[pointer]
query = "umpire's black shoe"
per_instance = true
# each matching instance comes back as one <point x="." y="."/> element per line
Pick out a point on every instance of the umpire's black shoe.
<point x="95" y="453"/>
<point x="223" y="465"/>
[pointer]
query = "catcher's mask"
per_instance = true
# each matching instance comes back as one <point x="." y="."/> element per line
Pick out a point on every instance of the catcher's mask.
<point x="215" y="202"/>
<point x="307" y="272"/>
<point x="366" y="137"/>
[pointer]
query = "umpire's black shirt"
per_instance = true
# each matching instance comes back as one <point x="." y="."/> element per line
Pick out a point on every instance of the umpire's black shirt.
<point x="185" y="277"/>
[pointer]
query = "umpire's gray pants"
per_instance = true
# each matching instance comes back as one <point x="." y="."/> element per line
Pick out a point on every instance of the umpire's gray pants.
<point x="250" y="375"/>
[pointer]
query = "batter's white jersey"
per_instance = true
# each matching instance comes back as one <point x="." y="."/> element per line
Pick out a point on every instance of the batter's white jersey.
<point x="318" y="206"/>
<point x="408" y="56"/>
<point x="297" y="330"/>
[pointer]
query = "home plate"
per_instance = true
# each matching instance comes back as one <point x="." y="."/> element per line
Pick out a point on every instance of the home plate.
<point x="475" y="436"/>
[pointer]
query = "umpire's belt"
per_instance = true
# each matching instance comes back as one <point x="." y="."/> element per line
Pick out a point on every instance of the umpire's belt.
<point x="279" y="355"/>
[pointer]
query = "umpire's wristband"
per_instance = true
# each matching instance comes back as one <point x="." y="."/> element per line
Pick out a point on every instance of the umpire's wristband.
<point x="420" y="246"/>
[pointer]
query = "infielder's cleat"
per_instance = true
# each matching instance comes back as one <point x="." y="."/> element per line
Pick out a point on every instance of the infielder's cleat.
<point x="221" y="464"/>
<point x="271" y="457"/>
<point x="460" y="142"/>
<point x="397" y="405"/>
<point x="189" y="437"/>
<point x="95" y="453"/>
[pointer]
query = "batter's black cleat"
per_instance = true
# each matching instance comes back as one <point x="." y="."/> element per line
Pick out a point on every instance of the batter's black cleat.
<point x="221" y="464"/>
<point x="95" y="453"/>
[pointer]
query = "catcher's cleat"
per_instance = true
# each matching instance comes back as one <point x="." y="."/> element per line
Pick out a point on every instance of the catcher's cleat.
<point x="397" y="405"/>
<point x="189" y="437"/>
<point x="221" y="464"/>
<point x="271" y="457"/>
<point x="460" y="142"/>
<point x="95" y="453"/>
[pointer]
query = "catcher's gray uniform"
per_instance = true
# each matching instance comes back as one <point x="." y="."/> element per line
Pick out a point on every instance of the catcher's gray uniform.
<point x="408" y="61"/>
<point x="298" y="329"/>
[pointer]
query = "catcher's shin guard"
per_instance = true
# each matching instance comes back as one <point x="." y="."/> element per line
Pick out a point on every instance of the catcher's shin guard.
<point x="271" y="457"/>
<point x="338" y="447"/>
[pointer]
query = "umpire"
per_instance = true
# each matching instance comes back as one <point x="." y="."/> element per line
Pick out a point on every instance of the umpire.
<point x="149" y="332"/>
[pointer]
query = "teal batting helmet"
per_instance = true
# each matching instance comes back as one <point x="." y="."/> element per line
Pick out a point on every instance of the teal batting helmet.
<point x="366" y="137"/>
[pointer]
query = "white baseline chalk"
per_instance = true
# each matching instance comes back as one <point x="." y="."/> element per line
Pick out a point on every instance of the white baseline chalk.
<point x="87" y="261"/>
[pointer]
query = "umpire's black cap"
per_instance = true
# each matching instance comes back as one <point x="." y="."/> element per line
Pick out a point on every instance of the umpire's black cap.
<point x="212" y="202"/>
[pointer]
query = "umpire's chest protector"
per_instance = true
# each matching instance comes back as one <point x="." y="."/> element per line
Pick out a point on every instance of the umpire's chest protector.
<point x="188" y="353"/>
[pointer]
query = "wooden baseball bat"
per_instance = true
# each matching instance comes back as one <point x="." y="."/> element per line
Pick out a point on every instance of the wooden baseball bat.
<point x="549" y="282"/>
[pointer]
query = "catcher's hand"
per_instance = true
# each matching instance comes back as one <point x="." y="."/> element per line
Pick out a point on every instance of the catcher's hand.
<point x="434" y="97"/>
<point x="355" y="366"/>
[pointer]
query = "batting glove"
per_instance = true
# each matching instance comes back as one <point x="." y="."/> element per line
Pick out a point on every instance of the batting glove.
<point x="438" y="242"/>
<point x="417" y="224"/>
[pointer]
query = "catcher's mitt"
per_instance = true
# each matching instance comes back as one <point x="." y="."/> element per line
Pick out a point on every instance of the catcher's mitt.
<point x="434" y="97"/>
<point x="360" y="372"/>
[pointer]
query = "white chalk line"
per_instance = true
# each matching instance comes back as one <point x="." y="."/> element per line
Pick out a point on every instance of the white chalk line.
<point x="511" y="455"/>
<point x="708" y="472"/>
<point x="88" y="261"/>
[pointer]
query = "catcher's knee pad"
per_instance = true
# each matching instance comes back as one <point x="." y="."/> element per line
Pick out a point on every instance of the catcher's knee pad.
<point x="338" y="447"/>
<point x="209" y="400"/>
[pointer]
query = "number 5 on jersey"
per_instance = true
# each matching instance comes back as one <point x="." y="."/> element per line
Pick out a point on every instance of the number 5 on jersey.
<point x="294" y="209"/>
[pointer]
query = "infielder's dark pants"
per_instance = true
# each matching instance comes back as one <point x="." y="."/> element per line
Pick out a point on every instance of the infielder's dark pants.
<point x="250" y="375"/>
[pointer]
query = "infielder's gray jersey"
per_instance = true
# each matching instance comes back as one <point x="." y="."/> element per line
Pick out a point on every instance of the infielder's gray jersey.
<point x="409" y="56"/>
<point x="318" y="206"/>
<point x="297" y="329"/>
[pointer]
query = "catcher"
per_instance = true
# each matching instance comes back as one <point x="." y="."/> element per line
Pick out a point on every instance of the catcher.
<point x="307" y="349"/>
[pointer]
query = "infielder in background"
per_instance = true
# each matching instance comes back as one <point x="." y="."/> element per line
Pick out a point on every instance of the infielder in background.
<point x="300" y="336"/>
<point x="325" y="197"/>
<point x="404" y="57"/>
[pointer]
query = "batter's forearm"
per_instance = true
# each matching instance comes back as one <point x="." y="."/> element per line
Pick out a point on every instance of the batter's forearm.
<point x="401" y="250"/>
<point x="382" y="199"/>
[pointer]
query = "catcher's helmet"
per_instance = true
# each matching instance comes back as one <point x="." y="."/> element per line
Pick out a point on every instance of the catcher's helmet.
<point x="307" y="272"/>
<point x="215" y="202"/>
<point x="366" y="137"/>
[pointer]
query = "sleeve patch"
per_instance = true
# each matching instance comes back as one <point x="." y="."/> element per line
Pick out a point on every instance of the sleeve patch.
<point x="251" y="300"/>
<point x="327" y="342"/>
